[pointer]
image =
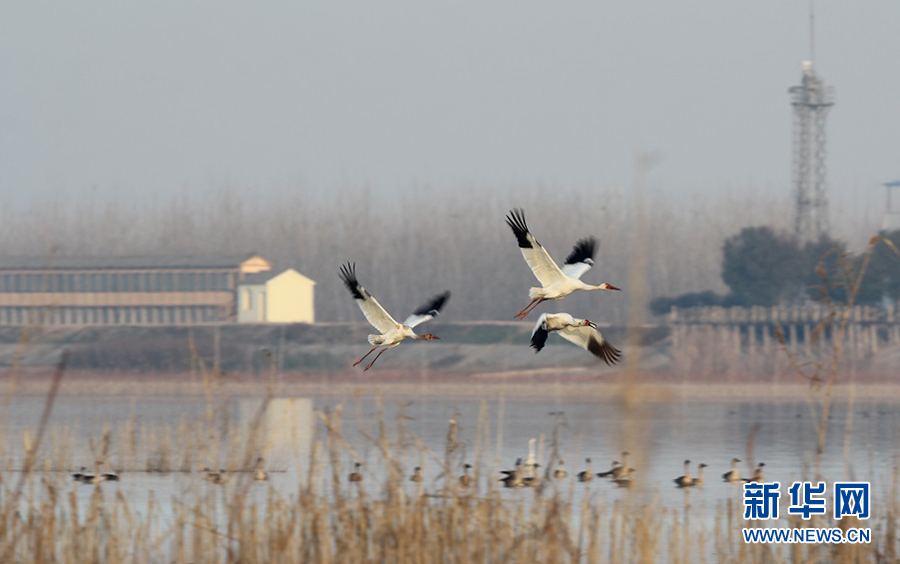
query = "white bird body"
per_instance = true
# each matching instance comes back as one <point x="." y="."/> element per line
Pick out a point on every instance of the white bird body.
<point x="392" y="333"/>
<point x="556" y="282"/>
<point x="393" y="336"/>
<point x="581" y="332"/>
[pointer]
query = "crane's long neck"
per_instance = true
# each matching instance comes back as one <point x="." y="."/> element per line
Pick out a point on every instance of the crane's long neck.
<point x="604" y="286"/>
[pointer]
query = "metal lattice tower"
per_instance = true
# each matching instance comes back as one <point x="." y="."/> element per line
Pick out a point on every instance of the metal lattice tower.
<point x="811" y="101"/>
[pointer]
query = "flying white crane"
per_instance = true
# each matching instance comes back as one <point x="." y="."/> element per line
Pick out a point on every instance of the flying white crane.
<point x="392" y="333"/>
<point x="582" y="332"/>
<point x="557" y="283"/>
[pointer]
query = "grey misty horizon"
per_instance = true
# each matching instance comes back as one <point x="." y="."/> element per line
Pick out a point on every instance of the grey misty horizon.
<point x="172" y="99"/>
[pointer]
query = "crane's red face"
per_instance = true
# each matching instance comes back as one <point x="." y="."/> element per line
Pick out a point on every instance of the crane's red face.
<point x="589" y="323"/>
<point x="430" y="337"/>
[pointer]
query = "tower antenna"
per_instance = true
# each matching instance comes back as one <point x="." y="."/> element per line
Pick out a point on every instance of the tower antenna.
<point x="812" y="30"/>
<point x="811" y="100"/>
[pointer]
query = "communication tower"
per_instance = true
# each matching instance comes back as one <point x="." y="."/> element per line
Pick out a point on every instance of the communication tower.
<point x="811" y="101"/>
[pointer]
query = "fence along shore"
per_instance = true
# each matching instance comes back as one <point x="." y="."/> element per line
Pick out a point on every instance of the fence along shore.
<point x="738" y="340"/>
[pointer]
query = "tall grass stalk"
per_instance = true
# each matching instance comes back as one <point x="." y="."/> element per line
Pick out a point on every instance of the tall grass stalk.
<point x="822" y="373"/>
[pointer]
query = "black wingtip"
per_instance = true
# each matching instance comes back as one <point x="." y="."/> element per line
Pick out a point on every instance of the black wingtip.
<point x="539" y="339"/>
<point x="583" y="251"/>
<point x="608" y="353"/>
<point x="433" y="307"/>
<point x="348" y="275"/>
<point x="516" y="222"/>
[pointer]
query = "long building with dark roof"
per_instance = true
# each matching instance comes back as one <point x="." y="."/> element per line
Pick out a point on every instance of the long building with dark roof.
<point x="126" y="290"/>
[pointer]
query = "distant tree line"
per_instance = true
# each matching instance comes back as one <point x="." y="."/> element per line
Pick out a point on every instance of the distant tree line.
<point x="763" y="267"/>
<point x="422" y="241"/>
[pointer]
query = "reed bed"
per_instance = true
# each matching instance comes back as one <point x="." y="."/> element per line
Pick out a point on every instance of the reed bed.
<point x="46" y="517"/>
<point x="322" y="517"/>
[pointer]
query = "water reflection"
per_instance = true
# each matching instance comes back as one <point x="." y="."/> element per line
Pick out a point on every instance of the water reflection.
<point x="490" y="435"/>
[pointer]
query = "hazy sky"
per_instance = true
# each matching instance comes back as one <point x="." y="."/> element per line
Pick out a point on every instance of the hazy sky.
<point x="167" y="97"/>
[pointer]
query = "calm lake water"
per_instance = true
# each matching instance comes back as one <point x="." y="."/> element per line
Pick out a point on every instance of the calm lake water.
<point x="666" y="434"/>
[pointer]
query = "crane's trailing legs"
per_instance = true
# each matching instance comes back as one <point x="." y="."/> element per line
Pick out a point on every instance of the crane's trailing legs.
<point x="365" y="355"/>
<point x="530" y="307"/>
<point x="428" y="337"/>
<point x="381" y="352"/>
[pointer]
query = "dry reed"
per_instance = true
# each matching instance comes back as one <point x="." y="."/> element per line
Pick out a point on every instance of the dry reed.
<point x="44" y="517"/>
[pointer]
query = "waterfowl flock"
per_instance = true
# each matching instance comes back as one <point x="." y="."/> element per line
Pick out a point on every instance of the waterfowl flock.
<point x="215" y="477"/>
<point x="556" y="284"/>
<point x="523" y="474"/>
<point x="527" y="473"/>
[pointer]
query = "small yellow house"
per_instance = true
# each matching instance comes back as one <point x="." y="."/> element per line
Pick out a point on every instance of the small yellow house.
<point x="265" y="297"/>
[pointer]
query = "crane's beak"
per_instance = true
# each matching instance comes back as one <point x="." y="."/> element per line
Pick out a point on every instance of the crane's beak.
<point x="611" y="287"/>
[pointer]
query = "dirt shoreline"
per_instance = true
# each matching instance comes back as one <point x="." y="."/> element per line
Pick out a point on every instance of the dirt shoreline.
<point x="561" y="384"/>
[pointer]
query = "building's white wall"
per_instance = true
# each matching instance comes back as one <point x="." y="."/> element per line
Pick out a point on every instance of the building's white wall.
<point x="290" y="298"/>
<point x="286" y="298"/>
